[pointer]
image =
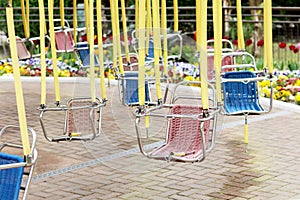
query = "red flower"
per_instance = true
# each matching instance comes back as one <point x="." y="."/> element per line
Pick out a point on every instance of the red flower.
<point x="292" y="47"/>
<point x="260" y="43"/>
<point x="235" y="42"/>
<point x="296" y="50"/>
<point x="225" y="37"/>
<point x="83" y="38"/>
<point x="282" y="45"/>
<point x="248" y="42"/>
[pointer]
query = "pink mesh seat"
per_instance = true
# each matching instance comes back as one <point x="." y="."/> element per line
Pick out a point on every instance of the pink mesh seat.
<point x="82" y="120"/>
<point x="64" y="41"/>
<point x="184" y="141"/>
<point x="23" y="52"/>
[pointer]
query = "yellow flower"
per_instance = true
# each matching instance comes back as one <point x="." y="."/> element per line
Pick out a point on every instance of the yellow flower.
<point x="283" y="77"/>
<point x="265" y="83"/>
<point x="276" y="95"/>
<point x="22" y="71"/>
<point x="65" y="73"/>
<point x="264" y="91"/>
<point x="287" y="93"/>
<point x="278" y="87"/>
<point x="189" y="78"/>
<point x="8" y="69"/>
<point x="297" y="82"/>
<point x="297" y="98"/>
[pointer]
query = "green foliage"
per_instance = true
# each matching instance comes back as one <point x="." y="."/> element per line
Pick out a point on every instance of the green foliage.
<point x="260" y="64"/>
<point x="189" y="54"/>
<point x="279" y="65"/>
<point x="293" y="66"/>
<point x="247" y="29"/>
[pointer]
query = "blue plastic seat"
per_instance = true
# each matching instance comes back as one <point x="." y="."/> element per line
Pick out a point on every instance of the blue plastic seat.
<point x="241" y="97"/>
<point x="10" y="179"/>
<point x="150" y="55"/>
<point x="131" y="96"/>
<point x="84" y="54"/>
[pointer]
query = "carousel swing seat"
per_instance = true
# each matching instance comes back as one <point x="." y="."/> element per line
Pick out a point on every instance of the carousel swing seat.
<point x="82" y="119"/>
<point x="190" y="131"/>
<point x="129" y="89"/>
<point x="11" y="178"/>
<point x="227" y="49"/>
<point x="84" y="54"/>
<point x="241" y="97"/>
<point x="15" y="170"/>
<point x="64" y="38"/>
<point x="25" y="53"/>
<point x="128" y="82"/>
<point x="240" y="89"/>
<point x="186" y="138"/>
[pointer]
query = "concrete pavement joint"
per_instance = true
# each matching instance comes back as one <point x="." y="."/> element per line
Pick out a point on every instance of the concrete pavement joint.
<point x="92" y="162"/>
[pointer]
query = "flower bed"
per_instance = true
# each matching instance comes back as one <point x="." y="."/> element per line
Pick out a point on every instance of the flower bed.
<point x="31" y="67"/>
<point x="286" y="86"/>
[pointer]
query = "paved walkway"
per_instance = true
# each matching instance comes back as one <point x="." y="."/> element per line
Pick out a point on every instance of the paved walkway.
<point x="111" y="167"/>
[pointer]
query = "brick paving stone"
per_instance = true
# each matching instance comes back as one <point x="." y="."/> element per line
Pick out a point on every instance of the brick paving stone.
<point x="188" y="192"/>
<point x="220" y="195"/>
<point x="158" y="198"/>
<point x="239" y="198"/>
<point x="180" y="197"/>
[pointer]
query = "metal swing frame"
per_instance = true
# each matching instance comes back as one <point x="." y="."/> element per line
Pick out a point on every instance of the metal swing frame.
<point x="15" y="168"/>
<point x="90" y="112"/>
<point x="204" y="121"/>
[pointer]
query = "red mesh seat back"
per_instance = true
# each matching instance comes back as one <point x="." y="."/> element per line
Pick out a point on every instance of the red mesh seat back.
<point x="228" y="60"/>
<point x="64" y="42"/>
<point x="78" y="120"/>
<point x="133" y="62"/>
<point x="23" y="52"/>
<point x="184" y="135"/>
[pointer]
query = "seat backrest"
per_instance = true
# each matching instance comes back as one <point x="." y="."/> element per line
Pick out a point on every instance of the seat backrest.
<point x="227" y="47"/>
<point x="240" y="96"/>
<point x="23" y="52"/>
<point x="64" y="41"/>
<point x="185" y="132"/>
<point x="151" y="49"/>
<point x="80" y="120"/>
<point x="84" y="54"/>
<point x="133" y="62"/>
<point x="10" y="179"/>
<point x="131" y="95"/>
